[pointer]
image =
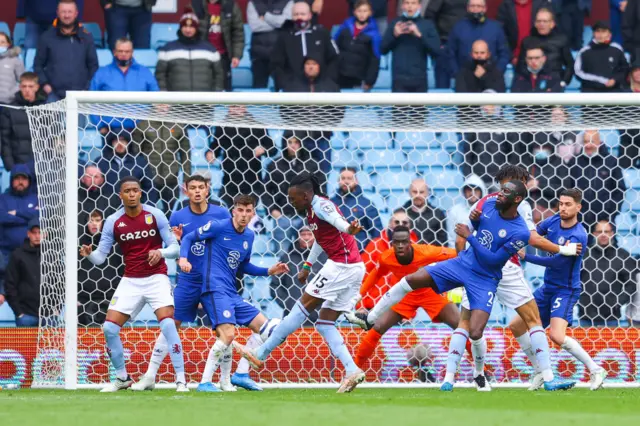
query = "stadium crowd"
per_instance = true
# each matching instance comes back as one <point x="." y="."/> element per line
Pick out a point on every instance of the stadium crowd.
<point x="531" y="46"/>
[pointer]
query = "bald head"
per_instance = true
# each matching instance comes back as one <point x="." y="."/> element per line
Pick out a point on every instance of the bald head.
<point x="480" y="51"/>
<point x="419" y="192"/>
<point x="592" y="142"/>
<point x="301" y="13"/>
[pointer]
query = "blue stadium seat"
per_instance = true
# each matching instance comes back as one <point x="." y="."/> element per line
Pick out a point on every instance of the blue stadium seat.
<point x="449" y="141"/>
<point x="198" y="138"/>
<point x="216" y="176"/>
<point x="365" y="181"/>
<point x="264" y="261"/>
<point x="260" y="288"/>
<point x="19" y="32"/>
<point x="162" y="33"/>
<point x="416" y="140"/>
<point x="384" y="159"/>
<point x="271" y="309"/>
<point x="247" y="35"/>
<point x="377" y="201"/>
<point x="198" y="157"/>
<point x="241" y="78"/>
<point x="369" y="140"/>
<point x="574" y="84"/>
<point x="587" y="35"/>
<point x="338" y="140"/>
<point x="4" y="28"/>
<point x="90" y="138"/>
<point x="260" y="244"/>
<point x="276" y="136"/>
<point x="5" y="180"/>
<point x="631" y="243"/>
<point x="632" y="197"/>
<point x="395" y="200"/>
<point x="146" y="57"/>
<point x="29" y="58"/>
<point x="332" y="182"/>
<point x="94" y="29"/>
<point x="105" y="57"/>
<point x="508" y="76"/>
<point x="611" y="138"/>
<point x="384" y="80"/>
<point x="444" y="178"/>
<point x="426" y="160"/>
<point x="343" y="157"/>
<point x="445" y="198"/>
<point x="627" y="223"/>
<point x="389" y="181"/>
<point x="7" y="319"/>
<point x="385" y="61"/>
<point x="245" y="61"/>
<point x="632" y="178"/>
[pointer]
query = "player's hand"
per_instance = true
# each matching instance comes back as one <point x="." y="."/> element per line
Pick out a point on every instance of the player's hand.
<point x="355" y="227"/>
<point x="184" y="265"/>
<point x="475" y="215"/>
<point x="235" y="62"/>
<point x="177" y="231"/>
<point x="85" y="250"/>
<point x="610" y="83"/>
<point x="278" y="269"/>
<point x="463" y="230"/>
<point x="303" y="275"/>
<point x="522" y="253"/>
<point x="154" y="257"/>
<point x="571" y="249"/>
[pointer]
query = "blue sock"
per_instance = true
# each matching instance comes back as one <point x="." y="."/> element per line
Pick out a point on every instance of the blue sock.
<point x="114" y="348"/>
<point x="335" y="341"/>
<point x="168" y="328"/>
<point x="540" y="346"/>
<point x="456" y="349"/>
<point x="288" y="325"/>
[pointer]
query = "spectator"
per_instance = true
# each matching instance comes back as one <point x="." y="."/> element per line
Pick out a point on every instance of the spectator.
<point x="517" y="18"/>
<point x="66" y="58"/>
<point x="472" y="191"/>
<point x="118" y="160"/>
<point x="597" y="173"/>
<point x="15" y="131"/>
<point x="189" y="64"/>
<point x="287" y="289"/>
<point x="11" y="68"/>
<point x="123" y="74"/>
<point x="608" y="279"/>
<point x="410" y="38"/>
<point x="298" y="39"/>
<point x="536" y="77"/>
<point x="376" y="247"/>
<point x="601" y="66"/>
<point x="265" y="18"/>
<point x="616" y="9"/>
<point x="314" y="79"/>
<point x="428" y="222"/>
<point x="39" y="15"/>
<point x="631" y="28"/>
<point x="630" y="138"/>
<point x="221" y="24"/>
<point x="480" y="73"/>
<point x="355" y="205"/>
<point x="23" y="279"/>
<point x="554" y="43"/>
<point x="294" y="160"/>
<point x="96" y="283"/>
<point x="477" y="27"/>
<point x="242" y="149"/>
<point x="379" y="9"/>
<point x="94" y="195"/>
<point x="358" y="41"/>
<point x="571" y="15"/>
<point x="128" y="17"/>
<point x="445" y="14"/>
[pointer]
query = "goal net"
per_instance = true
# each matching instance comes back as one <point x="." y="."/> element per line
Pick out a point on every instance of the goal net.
<point x="419" y="160"/>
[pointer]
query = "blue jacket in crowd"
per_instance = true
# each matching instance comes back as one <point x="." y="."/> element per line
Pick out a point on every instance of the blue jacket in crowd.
<point x="355" y="205"/>
<point x="66" y="62"/>
<point x="13" y="228"/>
<point x="410" y="52"/>
<point x="466" y="32"/>
<point x="42" y="11"/>
<point x="110" y="78"/>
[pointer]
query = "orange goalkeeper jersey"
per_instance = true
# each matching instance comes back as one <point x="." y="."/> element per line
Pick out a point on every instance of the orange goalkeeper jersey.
<point x="423" y="255"/>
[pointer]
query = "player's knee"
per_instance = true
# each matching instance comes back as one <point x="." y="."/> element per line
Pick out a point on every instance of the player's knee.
<point x="110" y="329"/>
<point x="227" y="335"/>
<point x="475" y="333"/>
<point x="518" y="328"/>
<point x="556" y="337"/>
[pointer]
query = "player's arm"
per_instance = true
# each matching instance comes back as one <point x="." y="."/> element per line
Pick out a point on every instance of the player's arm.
<point x="474" y="215"/>
<point x="104" y="247"/>
<point x="172" y="249"/>
<point x="257" y="271"/>
<point x="487" y="256"/>
<point x="327" y="211"/>
<point x="372" y="278"/>
<point x="555" y="261"/>
<point x="316" y="251"/>
<point x="208" y="231"/>
<point x="538" y="241"/>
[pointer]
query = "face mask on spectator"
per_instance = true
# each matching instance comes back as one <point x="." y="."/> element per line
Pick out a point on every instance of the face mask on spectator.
<point x="532" y="71"/>
<point x="478" y="17"/>
<point x="301" y="24"/>
<point x="480" y="61"/>
<point x="3" y="49"/>
<point x="123" y="62"/>
<point x="414" y="16"/>
<point x="542" y="155"/>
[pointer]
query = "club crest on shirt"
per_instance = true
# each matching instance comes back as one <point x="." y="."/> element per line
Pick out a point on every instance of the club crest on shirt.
<point x="486" y="239"/>
<point x="328" y="208"/>
<point x="197" y="248"/>
<point x="245" y="245"/>
<point x="233" y="259"/>
<point x="561" y="241"/>
<point x="502" y="233"/>
<point x="148" y="219"/>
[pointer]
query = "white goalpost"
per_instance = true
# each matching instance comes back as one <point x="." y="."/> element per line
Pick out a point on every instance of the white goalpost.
<point x="390" y="139"/>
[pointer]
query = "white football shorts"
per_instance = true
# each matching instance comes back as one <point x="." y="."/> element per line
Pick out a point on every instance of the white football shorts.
<point x="337" y="284"/>
<point x="133" y="293"/>
<point x="513" y="289"/>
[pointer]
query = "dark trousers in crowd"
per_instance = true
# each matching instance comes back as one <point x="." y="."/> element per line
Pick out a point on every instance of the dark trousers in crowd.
<point x="349" y="82"/>
<point x="261" y="74"/>
<point x="406" y="115"/>
<point x="441" y="70"/>
<point x="134" y="21"/>
<point x="226" y="68"/>
<point x="572" y="23"/>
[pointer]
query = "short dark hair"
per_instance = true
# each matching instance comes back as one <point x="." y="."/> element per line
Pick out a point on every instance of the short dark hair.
<point x="128" y="179"/>
<point x="122" y="40"/>
<point x="67" y="2"/>
<point x="7" y="37"/>
<point x="401" y="228"/>
<point x="96" y="213"/>
<point x="308" y="182"/>
<point x="605" y="221"/>
<point x="534" y="47"/>
<point x="360" y="3"/>
<point x="574" y="193"/>
<point x="196" y="178"/>
<point x="399" y="210"/>
<point x="349" y="169"/>
<point x="549" y="11"/>
<point x="244" y="200"/>
<point x="512" y="172"/>
<point x="29" y="76"/>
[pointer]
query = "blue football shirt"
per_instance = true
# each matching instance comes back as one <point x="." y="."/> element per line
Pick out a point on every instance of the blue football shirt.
<point x="191" y="221"/>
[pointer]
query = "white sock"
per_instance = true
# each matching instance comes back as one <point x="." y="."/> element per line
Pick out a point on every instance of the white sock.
<point x="158" y="354"/>
<point x="540" y="346"/>
<point x="574" y="348"/>
<point x="213" y="360"/>
<point x="225" y="365"/>
<point x="525" y="344"/>
<point x="243" y="365"/>
<point x="389" y="299"/>
<point x="456" y="349"/>
<point x="479" y="352"/>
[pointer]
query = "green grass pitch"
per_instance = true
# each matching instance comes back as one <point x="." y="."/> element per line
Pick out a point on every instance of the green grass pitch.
<point x="309" y="407"/>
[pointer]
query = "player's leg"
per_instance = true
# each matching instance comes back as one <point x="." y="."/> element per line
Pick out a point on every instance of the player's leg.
<point x="371" y="339"/>
<point x="529" y="318"/>
<point x="220" y="310"/>
<point x="561" y="316"/>
<point x="168" y="329"/>
<point x="241" y="376"/>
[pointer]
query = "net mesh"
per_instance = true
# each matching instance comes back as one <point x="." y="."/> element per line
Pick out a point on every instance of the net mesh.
<point x="258" y="148"/>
